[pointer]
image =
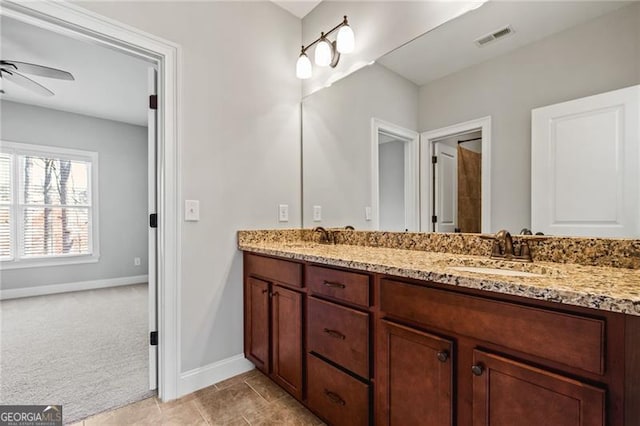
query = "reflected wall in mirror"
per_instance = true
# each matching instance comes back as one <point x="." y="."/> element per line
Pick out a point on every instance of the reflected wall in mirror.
<point x="516" y="76"/>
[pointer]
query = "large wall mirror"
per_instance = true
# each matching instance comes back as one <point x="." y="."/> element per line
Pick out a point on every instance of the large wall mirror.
<point x="516" y="115"/>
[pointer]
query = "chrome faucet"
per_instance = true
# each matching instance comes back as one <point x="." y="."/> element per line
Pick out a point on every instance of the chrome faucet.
<point x="503" y="247"/>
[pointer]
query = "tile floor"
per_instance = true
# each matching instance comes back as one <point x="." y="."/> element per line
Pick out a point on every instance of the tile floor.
<point x="247" y="399"/>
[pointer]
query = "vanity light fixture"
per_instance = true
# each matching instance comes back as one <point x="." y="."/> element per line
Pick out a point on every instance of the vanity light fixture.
<point x="327" y="53"/>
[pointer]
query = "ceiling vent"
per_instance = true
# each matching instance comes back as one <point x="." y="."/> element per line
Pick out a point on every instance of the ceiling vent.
<point x="495" y="35"/>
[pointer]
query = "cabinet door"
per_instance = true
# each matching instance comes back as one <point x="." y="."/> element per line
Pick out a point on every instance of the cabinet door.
<point x="257" y="323"/>
<point x="287" y="339"/>
<point x="508" y="393"/>
<point x="414" y="377"/>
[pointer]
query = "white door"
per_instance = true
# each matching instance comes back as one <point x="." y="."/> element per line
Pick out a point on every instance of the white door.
<point x="152" y="133"/>
<point x="584" y="166"/>
<point x="446" y="188"/>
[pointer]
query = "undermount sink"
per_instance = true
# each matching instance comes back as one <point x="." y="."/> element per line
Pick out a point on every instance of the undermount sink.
<point x="495" y="271"/>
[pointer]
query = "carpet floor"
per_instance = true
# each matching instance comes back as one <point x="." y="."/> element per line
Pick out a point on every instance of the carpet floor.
<point x="86" y="350"/>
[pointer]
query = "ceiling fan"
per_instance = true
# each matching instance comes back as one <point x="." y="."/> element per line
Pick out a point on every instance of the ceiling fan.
<point x="13" y="71"/>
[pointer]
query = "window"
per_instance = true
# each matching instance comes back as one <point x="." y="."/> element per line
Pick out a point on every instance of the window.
<point x="47" y="206"/>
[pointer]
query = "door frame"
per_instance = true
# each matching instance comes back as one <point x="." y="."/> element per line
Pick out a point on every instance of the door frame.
<point x="411" y="163"/>
<point x="427" y="139"/>
<point x="74" y="21"/>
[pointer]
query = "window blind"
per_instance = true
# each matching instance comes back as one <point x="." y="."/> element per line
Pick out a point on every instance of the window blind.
<point x="55" y="206"/>
<point x="6" y="223"/>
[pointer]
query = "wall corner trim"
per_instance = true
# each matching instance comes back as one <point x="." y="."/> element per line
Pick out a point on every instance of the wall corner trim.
<point x="202" y="377"/>
<point x="17" y="293"/>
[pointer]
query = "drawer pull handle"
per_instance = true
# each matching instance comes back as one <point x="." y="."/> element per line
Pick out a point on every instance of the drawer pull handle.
<point x="333" y="285"/>
<point x="334" y="333"/>
<point x="477" y="370"/>
<point x="443" y="356"/>
<point x="334" y="397"/>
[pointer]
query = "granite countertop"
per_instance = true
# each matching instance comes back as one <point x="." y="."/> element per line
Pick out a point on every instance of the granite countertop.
<point x="605" y="288"/>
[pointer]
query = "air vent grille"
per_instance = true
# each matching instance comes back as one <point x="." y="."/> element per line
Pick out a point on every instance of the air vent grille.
<point x="495" y="35"/>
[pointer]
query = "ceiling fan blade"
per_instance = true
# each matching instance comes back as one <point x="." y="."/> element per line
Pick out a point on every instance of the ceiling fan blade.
<point x="27" y="83"/>
<point x="39" y="70"/>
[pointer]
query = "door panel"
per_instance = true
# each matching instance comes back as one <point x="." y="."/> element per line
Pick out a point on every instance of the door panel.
<point x="257" y="327"/>
<point x="585" y="166"/>
<point x="509" y="393"/>
<point x="414" y="377"/>
<point x="287" y="339"/>
<point x="446" y="187"/>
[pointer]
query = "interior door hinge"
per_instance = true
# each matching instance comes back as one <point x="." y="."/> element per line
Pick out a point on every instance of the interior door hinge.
<point x="434" y="160"/>
<point x="153" y="338"/>
<point x="153" y="101"/>
<point x="434" y="219"/>
<point x="153" y="220"/>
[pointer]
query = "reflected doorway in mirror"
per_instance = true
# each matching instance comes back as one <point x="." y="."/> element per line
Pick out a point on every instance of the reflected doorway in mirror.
<point x="455" y="178"/>
<point x="394" y="177"/>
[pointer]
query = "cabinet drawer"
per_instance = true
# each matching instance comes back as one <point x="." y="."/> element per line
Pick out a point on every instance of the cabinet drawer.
<point x="281" y="271"/>
<point x="339" y="334"/>
<point x="568" y="339"/>
<point x="337" y="397"/>
<point x="350" y="287"/>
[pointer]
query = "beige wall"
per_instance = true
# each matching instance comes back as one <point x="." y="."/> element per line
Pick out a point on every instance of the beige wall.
<point x="598" y="56"/>
<point x="240" y="153"/>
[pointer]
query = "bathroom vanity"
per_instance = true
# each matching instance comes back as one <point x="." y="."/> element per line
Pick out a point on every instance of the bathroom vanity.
<point x="365" y="335"/>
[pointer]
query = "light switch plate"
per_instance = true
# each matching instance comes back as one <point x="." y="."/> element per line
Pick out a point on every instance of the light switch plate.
<point x="191" y="210"/>
<point x="283" y="213"/>
<point x="367" y="213"/>
<point x="317" y="213"/>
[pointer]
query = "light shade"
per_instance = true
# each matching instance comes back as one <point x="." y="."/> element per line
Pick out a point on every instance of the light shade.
<point x="303" y="67"/>
<point x="324" y="53"/>
<point x="345" y="41"/>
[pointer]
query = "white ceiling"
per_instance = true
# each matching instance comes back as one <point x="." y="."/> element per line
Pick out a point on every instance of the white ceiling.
<point x="108" y="83"/>
<point x="451" y="47"/>
<point x="297" y="7"/>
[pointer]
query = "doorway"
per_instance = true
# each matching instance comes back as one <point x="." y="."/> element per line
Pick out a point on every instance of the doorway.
<point x="79" y="242"/>
<point x="455" y="178"/>
<point x="67" y="19"/>
<point x="394" y="155"/>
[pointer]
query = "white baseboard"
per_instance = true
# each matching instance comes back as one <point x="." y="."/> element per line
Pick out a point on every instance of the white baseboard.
<point x="65" y="288"/>
<point x="202" y="377"/>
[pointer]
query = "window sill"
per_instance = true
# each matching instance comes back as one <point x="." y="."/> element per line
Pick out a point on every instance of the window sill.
<point x="43" y="263"/>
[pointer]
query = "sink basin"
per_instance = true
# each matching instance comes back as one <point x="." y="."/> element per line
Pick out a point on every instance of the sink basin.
<point x="495" y="271"/>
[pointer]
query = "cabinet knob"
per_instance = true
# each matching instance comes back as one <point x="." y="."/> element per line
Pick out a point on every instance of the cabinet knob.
<point x="443" y="356"/>
<point x="477" y="370"/>
<point x="265" y="290"/>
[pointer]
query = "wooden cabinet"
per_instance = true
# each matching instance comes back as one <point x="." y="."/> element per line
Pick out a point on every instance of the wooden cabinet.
<point x="286" y="320"/>
<point x="362" y="349"/>
<point x="339" y="334"/>
<point x="415" y="377"/>
<point x="339" y="285"/>
<point x="336" y="396"/>
<point x="256" y="335"/>
<point x="506" y="392"/>
<point x="273" y="320"/>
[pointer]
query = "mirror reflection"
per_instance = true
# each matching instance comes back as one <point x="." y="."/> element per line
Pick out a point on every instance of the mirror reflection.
<point x="516" y="115"/>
